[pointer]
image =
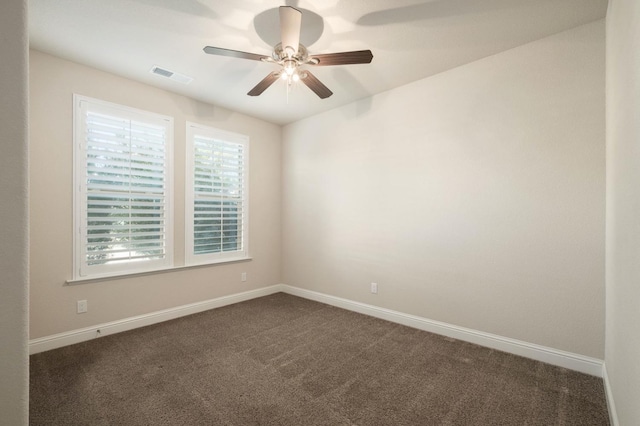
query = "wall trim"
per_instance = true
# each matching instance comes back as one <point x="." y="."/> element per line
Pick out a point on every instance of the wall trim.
<point x="80" y="335"/>
<point x="572" y="361"/>
<point x="613" y="414"/>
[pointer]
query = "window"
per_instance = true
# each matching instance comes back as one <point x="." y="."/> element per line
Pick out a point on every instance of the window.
<point x="123" y="189"/>
<point x="216" y="195"/>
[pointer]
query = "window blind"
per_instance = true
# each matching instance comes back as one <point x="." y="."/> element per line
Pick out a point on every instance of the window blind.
<point x="124" y="191"/>
<point x="218" y="208"/>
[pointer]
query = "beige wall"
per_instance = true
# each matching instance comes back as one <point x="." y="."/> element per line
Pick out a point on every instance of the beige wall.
<point x="474" y="197"/>
<point x="14" y="366"/>
<point x="53" y="304"/>
<point x="622" y="358"/>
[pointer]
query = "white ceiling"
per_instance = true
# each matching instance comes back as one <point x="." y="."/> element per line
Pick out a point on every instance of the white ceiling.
<point x="410" y="40"/>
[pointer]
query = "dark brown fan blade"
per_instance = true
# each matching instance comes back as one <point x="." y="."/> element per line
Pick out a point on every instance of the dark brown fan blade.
<point x="264" y="84"/>
<point x="316" y="85"/>
<point x="343" y="58"/>
<point x="233" y="53"/>
<point x="290" y="21"/>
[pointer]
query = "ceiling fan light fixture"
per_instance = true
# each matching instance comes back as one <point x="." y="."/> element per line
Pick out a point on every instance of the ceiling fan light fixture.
<point x="290" y="66"/>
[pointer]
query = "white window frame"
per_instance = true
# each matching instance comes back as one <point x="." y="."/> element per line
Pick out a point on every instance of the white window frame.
<point x="193" y="130"/>
<point x="81" y="269"/>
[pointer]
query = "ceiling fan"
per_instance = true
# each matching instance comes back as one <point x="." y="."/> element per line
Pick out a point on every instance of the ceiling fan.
<point x="291" y="56"/>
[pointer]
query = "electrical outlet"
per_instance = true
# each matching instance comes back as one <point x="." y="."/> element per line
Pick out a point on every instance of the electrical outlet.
<point x="82" y="306"/>
<point x="243" y="276"/>
<point x="374" y="288"/>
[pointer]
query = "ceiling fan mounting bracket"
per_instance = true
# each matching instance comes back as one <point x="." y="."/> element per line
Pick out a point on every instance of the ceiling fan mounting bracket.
<point x="280" y="55"/>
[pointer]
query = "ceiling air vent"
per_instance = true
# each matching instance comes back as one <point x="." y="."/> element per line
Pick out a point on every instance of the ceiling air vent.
<point x="180" y="78"/>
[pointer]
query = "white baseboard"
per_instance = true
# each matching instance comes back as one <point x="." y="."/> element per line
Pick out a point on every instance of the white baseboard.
<point x="552" y="356"/>
<point x="613" y="414"/>
<point x="76" y="336"/>
<point x="572" y="361"/>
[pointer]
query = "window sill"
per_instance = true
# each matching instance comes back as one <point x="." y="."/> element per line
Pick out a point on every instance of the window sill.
<point x="86" y="280"/>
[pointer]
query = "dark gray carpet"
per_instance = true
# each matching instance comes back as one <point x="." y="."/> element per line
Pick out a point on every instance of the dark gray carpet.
<point x="283" y="360"/>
